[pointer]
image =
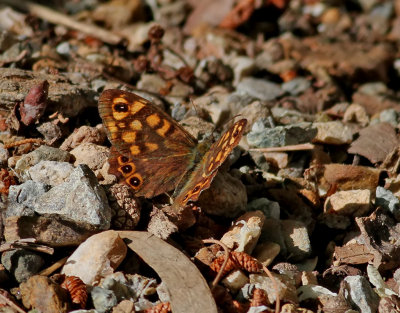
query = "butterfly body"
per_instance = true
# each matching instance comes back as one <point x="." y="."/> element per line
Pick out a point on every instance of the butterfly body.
<point x="154" y="154"/>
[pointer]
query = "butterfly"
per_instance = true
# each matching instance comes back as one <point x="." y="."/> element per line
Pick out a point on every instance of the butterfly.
<point x="153" y="154"/>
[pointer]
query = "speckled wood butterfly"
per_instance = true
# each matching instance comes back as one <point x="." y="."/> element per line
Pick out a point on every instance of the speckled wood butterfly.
<point x="153" y="154"/>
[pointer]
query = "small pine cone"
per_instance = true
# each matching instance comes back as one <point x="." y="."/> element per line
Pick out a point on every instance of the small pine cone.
<point x="163" y="307"/>
<point x="77" y="290"/>
<point x="125" y="207"/>
<point x="246" y="262"/>
<point x="217" y="263"/>
<point x="156" y="33"/>
<point x="259" y="298"/>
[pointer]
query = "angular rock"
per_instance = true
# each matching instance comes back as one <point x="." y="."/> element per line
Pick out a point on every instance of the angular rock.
<point x="270" y="208"/>
<point x="53" y="231"/>
<point x="226" y="196"/>
<point x="96" y="135"/>
<point x="349" y="202"/>
<point x="389" y="201"/>
<point x="22" y="263"/>
<point x="98" y="256"/>
<point x="90" y="154"/>
<point x="50" y="172"/>
<point x="42" y="153"/>
<point x="80" y="199"/>
<point x="22" y="198"/>
<point x="333" y="133"/>
<point x="259" y="88"/>
<point x="244" y="234"/>
<point x="279" y="136"/>
<point x="296" y="239"/>
<point x="359" y="292"/>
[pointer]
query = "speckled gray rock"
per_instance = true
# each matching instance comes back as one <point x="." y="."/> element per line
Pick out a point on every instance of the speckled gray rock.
<point x="22" y="198"/>
<point x="80" y="199"/>
<point x="34" y="157"/>
<point x="103" y="299"/>
<point x="4" y="155"/>
<point x="270" y="208"/>
<point x="296" y="86"/>
<point x="389" y="201"/>
<point x="50" y="172"/>
<point x="262" y="137"/>
<point x="259" y="88"/>
<point x="22" y="263"/>
<point x="296" y="239"/>
<point x="359" y="292"/>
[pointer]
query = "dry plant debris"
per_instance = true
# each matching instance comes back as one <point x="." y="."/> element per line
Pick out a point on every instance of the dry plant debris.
<point x="312" y="189"/>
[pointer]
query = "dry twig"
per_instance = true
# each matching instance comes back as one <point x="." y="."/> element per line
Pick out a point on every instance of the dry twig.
<point x="58" y="18"/>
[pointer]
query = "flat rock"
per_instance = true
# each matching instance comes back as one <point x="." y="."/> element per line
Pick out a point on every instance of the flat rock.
<point x="23" y="198"/>
<point x="96" y="135"/>
<point x="42" y="153"/>
<point x="90" y="154"/>
<point x="226" y="196"/>
<point x="349" y="202"/>
<point x="80" y="198"/>
<point x="50" y="172"/>
<point x="263" y="137"/>
<point x="296" y="239"/>
<point x="22" y="263"/>
<point x="260" y="88"/>
<point x="333" y="133"/>
<point x="98" y="256"/>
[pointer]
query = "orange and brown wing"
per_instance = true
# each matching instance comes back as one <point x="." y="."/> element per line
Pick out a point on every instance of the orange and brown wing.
<point x="139" y="129"/>
<point x="151" y="151"/>
<point x="206" y="170"/>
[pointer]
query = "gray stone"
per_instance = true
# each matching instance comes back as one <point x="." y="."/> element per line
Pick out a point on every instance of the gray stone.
<point x="4" y="155"/>
<point x="296" y="86"/>
<point x="270" y="208"/>
<point x="22" y="263"/>
<point x="359" y="292"/>
<point x="50" y="172"/>
<point x="22" y="198"/>
<point x="296" y="239"/>
<point x="389" y="116"/>
<point x="385" y="198"/>
<point x="80" y="199"/>
<point x="103" y="299"/>
<point x="260" y="88"/>
<point x="34" y="157"/>
<point x="281" y="135"/>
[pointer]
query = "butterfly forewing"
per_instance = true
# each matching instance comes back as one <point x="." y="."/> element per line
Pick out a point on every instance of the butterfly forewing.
<point x="140" y="130"/>
<point x="206" y="170"/>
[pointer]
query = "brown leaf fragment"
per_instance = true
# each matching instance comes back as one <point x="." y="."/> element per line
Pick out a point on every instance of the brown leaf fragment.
<point x="375" y="142"/>
<point x="392" y="161"/>
<point x="35" y="103"/>
<point x="348" y="177"/>
<point x="189" y="292"/>
<point x="380" y="233"/>
<point x="353" y="254"/>
<point x="389" y="304"/>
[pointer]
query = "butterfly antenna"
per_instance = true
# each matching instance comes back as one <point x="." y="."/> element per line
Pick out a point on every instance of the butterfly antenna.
<point x="194" y="105"/>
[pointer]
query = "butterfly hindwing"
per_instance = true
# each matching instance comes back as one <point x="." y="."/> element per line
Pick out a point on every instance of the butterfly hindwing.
<point x="206" y="170"/>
